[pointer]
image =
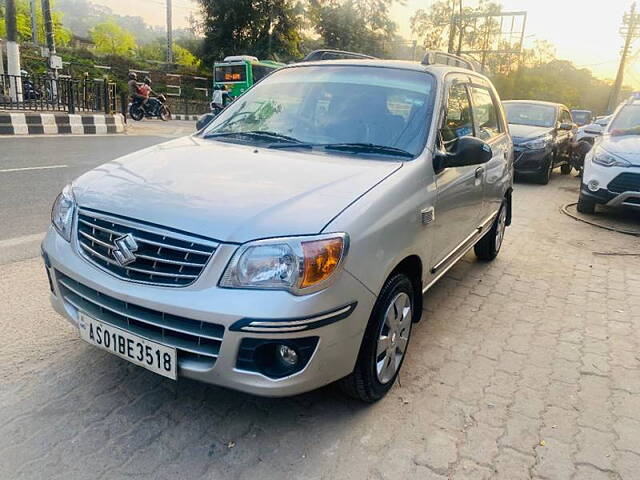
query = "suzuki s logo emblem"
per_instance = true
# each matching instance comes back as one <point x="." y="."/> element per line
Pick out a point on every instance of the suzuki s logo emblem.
<point x="125" y="246"/>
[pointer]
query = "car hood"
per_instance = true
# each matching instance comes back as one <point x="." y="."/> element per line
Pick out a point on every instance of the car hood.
<point x="230" y="192"/>
<point x="626" y="147"/>
<point x="522" y="133"/>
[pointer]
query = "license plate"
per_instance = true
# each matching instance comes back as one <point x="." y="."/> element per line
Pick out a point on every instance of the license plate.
<point x="151" y="355"/>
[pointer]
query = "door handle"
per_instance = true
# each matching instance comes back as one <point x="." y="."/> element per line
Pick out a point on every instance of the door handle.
<point x="479" y="172"/>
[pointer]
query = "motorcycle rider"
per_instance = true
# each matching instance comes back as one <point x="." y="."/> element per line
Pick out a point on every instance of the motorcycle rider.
<point x="153" y="104"/>
<point x="134" y="94"/>
<point x="220" y="98"/>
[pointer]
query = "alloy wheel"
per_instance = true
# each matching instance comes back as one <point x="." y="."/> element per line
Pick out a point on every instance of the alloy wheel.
<point x="393" y="337"/>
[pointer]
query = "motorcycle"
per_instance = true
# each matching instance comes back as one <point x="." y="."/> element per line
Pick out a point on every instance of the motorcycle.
<point x="159" y="109"/>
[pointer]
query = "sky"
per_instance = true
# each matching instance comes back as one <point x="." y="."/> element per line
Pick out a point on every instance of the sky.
<point x="582" y="31"/>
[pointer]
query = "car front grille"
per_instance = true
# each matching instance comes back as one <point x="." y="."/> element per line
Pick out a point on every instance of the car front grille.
<point x="197" y="343"/>
<point x="625" y="182"/>
<point x="162" y="257"/>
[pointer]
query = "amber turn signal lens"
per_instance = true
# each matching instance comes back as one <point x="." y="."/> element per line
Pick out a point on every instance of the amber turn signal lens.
<point x="321" y="258"/>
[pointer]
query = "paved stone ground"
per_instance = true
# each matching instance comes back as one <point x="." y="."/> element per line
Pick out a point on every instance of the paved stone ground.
<point x="523" y="368"/>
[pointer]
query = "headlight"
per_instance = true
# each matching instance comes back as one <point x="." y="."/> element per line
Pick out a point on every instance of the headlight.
<point x="538" y="143"/>
<point x="62" y="212"/>
<point x="299" y="265"/>
<point x="606" y="159"/>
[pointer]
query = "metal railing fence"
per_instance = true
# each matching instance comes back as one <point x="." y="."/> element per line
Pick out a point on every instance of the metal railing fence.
<point x="63" y="94"/>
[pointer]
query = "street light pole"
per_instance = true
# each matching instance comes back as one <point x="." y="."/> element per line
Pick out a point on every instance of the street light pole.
<point x="13" y="52"/>
<point x="169" y="34"/>
<point x="34" y="24"/>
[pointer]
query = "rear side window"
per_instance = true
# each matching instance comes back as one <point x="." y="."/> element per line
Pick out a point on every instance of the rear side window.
<point x="458" y="122"/>
<point x="485" y="114"/>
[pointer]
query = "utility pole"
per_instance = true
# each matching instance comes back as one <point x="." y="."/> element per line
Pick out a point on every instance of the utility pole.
<point x="13" y="52"/>
<point x="34" y="24"/>
<point x="452" y="28"/>
<point x="169" y="34"/>
<point x="630" y="29"/>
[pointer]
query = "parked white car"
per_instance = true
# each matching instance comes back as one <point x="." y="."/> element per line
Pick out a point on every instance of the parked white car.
<point x="593" y="130"/>
<point x="612" y="167"/>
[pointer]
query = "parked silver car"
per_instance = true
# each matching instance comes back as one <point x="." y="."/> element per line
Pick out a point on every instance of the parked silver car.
<point x="288" y="244"/>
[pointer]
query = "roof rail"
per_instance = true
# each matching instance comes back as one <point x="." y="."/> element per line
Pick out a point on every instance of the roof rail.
<point x="325" y="54"/>
<point x="442" y="58"/>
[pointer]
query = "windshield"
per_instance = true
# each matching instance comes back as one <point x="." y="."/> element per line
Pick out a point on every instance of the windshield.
<point x="230" y="73"/>
<point x="530" y="114"/>
<point x="330" y="105"/>
<point x="581" y="118"/>
<point x="628" y="117"/>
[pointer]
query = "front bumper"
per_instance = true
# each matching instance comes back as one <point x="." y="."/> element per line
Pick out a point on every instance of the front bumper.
<point x="616" y="186"/>
<point x="332" y="357"/>
<point x="612" y="199"/>
<point x="531" y="162"/>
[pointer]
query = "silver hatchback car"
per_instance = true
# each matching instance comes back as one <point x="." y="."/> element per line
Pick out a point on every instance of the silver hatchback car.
<point x="287" y="245"/>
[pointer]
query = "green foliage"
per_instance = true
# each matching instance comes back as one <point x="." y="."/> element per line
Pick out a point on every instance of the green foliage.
<point x="555" y="81"/>
<point x="111" y="39"/>
<point x="268" y="29"/>
<point x="23" y="22"/>
<point x="433" y="25"/>
<point x="156" y="51"/>
<point x="355" y="25"/>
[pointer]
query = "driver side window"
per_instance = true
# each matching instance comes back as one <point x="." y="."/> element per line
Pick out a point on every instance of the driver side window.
<point x="566" y="117"/>
<point x="458" y="121"/>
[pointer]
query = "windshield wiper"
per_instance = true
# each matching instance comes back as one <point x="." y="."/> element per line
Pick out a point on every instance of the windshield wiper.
<point x="368" y="148"/>
<point x="256" y="134"/>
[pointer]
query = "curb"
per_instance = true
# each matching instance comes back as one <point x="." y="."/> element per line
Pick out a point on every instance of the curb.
<point x="59" y="123"/>
<point x="185" y="117"/>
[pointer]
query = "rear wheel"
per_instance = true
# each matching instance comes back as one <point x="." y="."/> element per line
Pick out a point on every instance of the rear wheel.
<point x="385" y="342"/>
<point x="136" y="112"/>
<point x="586" y="205"/>
<point x="489" y="246"/>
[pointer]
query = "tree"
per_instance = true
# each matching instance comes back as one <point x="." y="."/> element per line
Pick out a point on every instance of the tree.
<point x="356" y="25"/>
<point x="111" y="39"/>
<point x="156" y="51"/>
<point x="264" y="28"/>
<point x="23" y="21"/>
<point x="437" y="30"/>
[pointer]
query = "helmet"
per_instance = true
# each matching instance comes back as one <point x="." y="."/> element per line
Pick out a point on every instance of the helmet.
<point x="147" y="80"/>
<point x="133" y="76"/>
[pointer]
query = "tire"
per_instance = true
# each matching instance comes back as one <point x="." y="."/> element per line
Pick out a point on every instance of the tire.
<point x="544" y="177"/>
<point x="489" y="246"/>
<point x="164" y="114"/>
<point x="385" y="342"/>
<point x="586" y="205"/>
<point x="566" y="168"/>
<point x="136" y="113"/>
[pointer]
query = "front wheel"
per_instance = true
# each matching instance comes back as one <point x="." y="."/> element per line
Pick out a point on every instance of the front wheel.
<point x="164" y="114"/>
<point x="385" y="342"/>
<point x="586" y="205"/>
<point x="489" y="246"/>
<point x="544" y="176"/>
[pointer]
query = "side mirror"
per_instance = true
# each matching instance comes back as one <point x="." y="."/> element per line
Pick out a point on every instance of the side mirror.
<point x="594" y="129"/>
<point x="468" y="151"/>
<point x="566" y="126"/>
<point x="204" y="120"/>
